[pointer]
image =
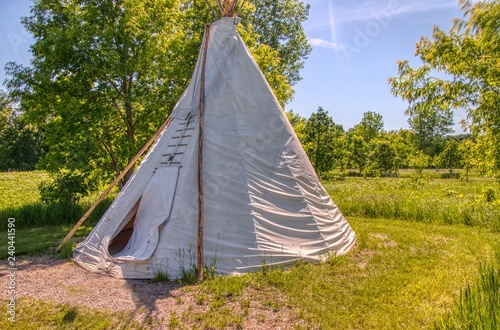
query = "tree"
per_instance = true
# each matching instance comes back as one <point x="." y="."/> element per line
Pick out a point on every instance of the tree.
<point x="466" y="154"/>
<point x="468" y="56"/>
<point x="430" y="126"/>
<point x="360" y="136"/>
<point x="419" y="161"/>
<point x="358" y="150"/>
<point x="6" y="111"/>
<point x="105" y="74"/>
<point x="483" y="150"/>
<point x="322" y="135"/>
<point x="298" y="123"/>
<point x="20" y="143"/>
<point x="371" y="126"/>
<point x="279" y="25"/>
<point x="382" y="156"/>
<point x="100" y="78"/>
<point x="402" y="141"/>
<point x="450" y="157"/>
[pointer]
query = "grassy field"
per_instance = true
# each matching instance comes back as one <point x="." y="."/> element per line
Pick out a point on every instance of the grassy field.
<point x="401" y="276"/>
<point x="452" y="201"/>
<point x="19" y="199"/>
<point x="20" y="188"/>
<point x="419" y="264"/>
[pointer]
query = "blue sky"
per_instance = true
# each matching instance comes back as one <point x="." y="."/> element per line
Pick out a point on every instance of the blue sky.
<point x="356" y="45"/>
<point x="355" y="48"/>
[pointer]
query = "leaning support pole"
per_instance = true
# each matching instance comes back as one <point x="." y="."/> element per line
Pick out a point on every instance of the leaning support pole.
<point x="105" y="193"/>
<point x="201" y="198"/>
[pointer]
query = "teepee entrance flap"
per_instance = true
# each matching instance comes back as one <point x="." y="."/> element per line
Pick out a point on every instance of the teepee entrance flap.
<point x="154" y="210"/>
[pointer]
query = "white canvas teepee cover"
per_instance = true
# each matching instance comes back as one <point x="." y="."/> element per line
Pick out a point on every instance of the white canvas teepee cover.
<point x="263" y="199"/>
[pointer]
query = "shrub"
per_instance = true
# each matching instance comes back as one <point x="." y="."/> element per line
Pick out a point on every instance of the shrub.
<point x="450" y="176"/>
<point x="65" y="188"/>
<point x="489" y="194"/>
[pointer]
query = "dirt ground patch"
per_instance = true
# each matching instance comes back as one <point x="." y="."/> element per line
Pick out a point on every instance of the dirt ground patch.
<point x="150" y="304"/>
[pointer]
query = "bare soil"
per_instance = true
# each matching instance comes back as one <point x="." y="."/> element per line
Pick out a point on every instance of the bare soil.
<point x="150" y="304"/>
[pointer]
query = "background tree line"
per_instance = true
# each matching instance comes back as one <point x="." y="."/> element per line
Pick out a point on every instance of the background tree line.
<point x="368" y="150"/>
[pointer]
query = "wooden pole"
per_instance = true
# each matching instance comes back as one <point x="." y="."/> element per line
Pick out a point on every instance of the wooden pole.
<point x="105" y="193"/>
<point x="201" y="198"/>
<point x="212" y="9"/>
<point x="220" y="7"/>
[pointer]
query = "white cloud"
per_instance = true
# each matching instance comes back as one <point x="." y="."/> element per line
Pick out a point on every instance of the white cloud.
<point x="316" y="42"/>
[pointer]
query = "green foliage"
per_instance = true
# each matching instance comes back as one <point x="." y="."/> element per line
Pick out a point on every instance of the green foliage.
<point x="358" y="141"/>
<point x="92" y="79"/>
<point x="419" y="161"/>
<point x="66" y="188"/>
<point x="370" y="127"/>
<point x="450" y="157"/>
<point x="20" y="143"/>
<point x="382" y="158"/>
<point x="466" y="155"/>
<point x="298" y="123"/>
<point x="468" y="55"/>
<point x="358" y="151"/>
<point x="322" y="140"/>
<point x="478" y="306"/>
<point x="278" y="24"/>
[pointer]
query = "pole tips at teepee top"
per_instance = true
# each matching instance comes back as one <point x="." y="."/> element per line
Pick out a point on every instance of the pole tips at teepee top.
<point x="227" y="8"/>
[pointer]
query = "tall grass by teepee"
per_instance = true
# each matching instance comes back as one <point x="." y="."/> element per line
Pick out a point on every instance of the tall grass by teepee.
<point x="478" y="306"/>
<point x="38" y="214"/>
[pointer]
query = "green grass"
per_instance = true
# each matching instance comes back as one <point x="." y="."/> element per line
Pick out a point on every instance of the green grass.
<point x="472" y="203"/>
<point x="20" y="188"/>
<point x="42" y="240"/>
<point x="35" y="314"/>
<point x="406" y="276"/>
<point x="19" y="199"/>
<point x="478" y="306"/>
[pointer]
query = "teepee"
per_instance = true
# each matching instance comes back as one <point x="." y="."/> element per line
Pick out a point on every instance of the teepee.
<point x="226" y="183"/>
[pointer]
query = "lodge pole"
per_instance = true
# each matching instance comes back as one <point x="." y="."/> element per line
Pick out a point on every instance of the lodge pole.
<point x="201" y="197"/>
